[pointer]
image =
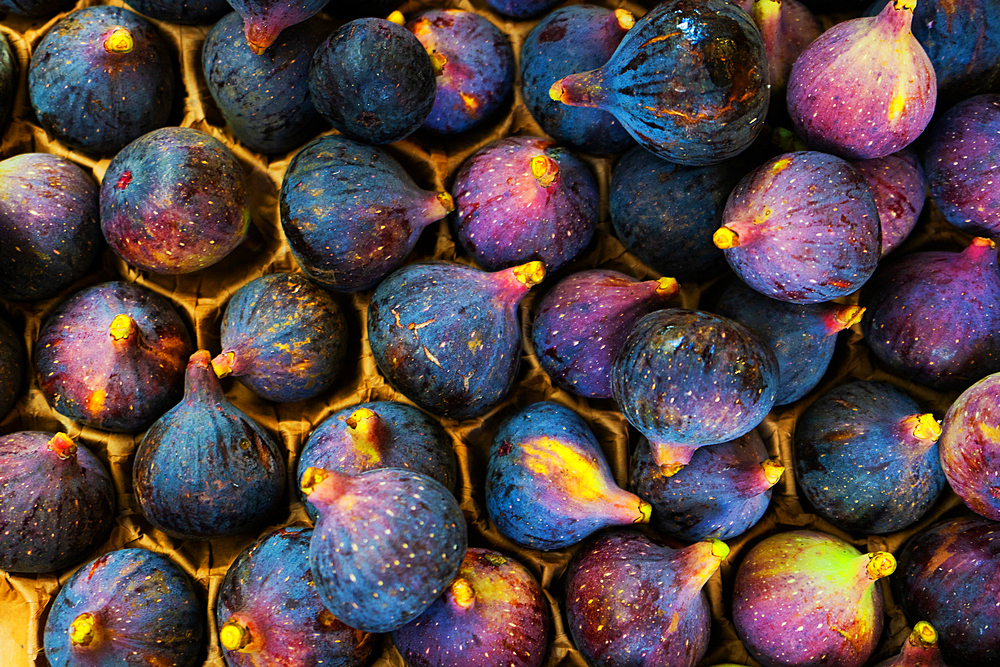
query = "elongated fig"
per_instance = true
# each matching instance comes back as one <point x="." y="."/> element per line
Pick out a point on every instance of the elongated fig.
<point x="263" y="20"/>
<point x="970" y="447"/>
<point x="919" y="650"/>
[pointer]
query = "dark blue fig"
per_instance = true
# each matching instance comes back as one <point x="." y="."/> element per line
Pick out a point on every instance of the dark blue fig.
<point x="373" y="80"/>
<point x="447" y="335"/>
<point x="283" y="337"/>
<point x="49" y="225"/>
<point x="351" y="213"/>
<point x="127" y="608"/>
<point x="205" y="469"/>
<point x="100" y="78"/>
<point x="388" y="543"/>
<point x="802" y="336"/>
<point x="8" y="79"/>
<point x="714" y="47"/>
<point x="33" y="8"/>
<point x="573" y="39"/>
<point x="269" y="612"/>
<point x="184" y="12"/>
<point x="12" y="365"/>
<point x="263" y="20"/>
<point x="866" y="457"/>
<point x="899" y="186"/>
<point x="264" y="98"/>
<point x="521" y="9"/>
<point x="57" y="502"/>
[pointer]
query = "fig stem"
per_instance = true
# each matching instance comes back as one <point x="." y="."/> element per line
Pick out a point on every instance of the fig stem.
<point x="62" y="445"/>
<point x="122" y="327"/>
<point x="924" y="427"/>
<point x="667" y="287"/>
<point x="773" y="470"/>
<point x="463" y="593"/>
<point x="881" y="564"/>
<point x="846" y="317"/>
<point x="234" y="635"/>
<point x="396" y="17"/>
<point x="725" y="238"/>
<point x="530" y="274"/>
<point x="625" y="19"/>
<point x="923" y="635"/>
<point x="645" y="512"/>
<point x="364" y="427"/>
<point x="223" y="364"/>
<point x="82" y="630"/>
<point x="119" y="41"/>
<point x="544" y="169"/>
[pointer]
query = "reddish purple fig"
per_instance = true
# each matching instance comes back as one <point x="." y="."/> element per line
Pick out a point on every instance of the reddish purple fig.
<point x="899" y="186"/>
<point x="787" y="27"/>
<point x="919" y="650"/>
<point x="264" y="19"/>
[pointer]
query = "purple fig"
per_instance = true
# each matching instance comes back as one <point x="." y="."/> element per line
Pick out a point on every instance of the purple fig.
<point x="263" y="20"/>
<point x="633" y="603"/>
<point x="899" y="186"/>
<point x="919" y="650"/>
<point x="806" y="598"/>
<point x="12" y="365"/>
<point x="934" y="316"/>
<point x="521" y="9"/>
<point x="865" y="88"/>
<point x="802" y="227"/>
<point x="57" y="501"/>
<point x="787" y="28"/>
<point x="112" y="356"/>
<point x="582" y="322"/>
<point x="493" y="613"/>
<point x="548" y="485"/>
<point x="205" y="469"/>
<point x="387" y="544"/>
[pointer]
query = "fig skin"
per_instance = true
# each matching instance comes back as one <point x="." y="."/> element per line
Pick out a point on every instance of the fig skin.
<point x="787" y="27"/>
<point x="263" y="20"/>
<point x="57" y="502"/>
<point x="521" y="9"/>
<point x="899" y="185"/>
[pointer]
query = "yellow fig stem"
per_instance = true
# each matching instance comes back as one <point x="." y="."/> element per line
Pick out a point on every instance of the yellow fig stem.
<point x="438" y="61"/>
<point x="446" y="201"/>
<point x="463" y="593"/>
<point x="396" y="17"/>
<point x="773" y="470"/>
<point x="725" y="238"/>
<point x="119" y="41"/>
<point x="923" y="635"/>
<point x="848" y="316"/>
<point x="668" y="287"/>
<point x="626" y="20"/>
<point x="312" y="478"/>
<point x="544" y="169"/>
<point x="223" y="364"/>
<point x="234" y="635"/>
<point x="122" y="327"/>
<point x="645" y="512"/>
<point x="719" y="548"/>
<point x="881" y="564"/>
<point x="530" y="274"/>
<point x="82" y="630"/>
<point x="924" y="427"/>
<point x="62" y="445"/>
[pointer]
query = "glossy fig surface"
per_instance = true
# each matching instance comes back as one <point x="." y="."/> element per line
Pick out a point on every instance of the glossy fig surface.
<point x="970" y="447"/>
<point x="263" y="20"/>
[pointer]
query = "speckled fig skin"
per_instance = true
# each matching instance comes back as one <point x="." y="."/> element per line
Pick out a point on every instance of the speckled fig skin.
<point x="49" y="225"/>
<point x="716" y="48"/>
<point x="917" y="305"/>
<point x="687" y="378"/>
<point x="100" y="78"/>
<point x="633" y="603"/>
<point x="899" y="186"/>
<point x="473" y="65"/>
<point x="12" y="366"/>
<point x="970" y="447"/>
<point x="949" y="575"/>
<point x="243" y="84"/>
<point x="961" y="165"/>
<point x="8" y="79"/>
<point x="379" y="434"/>
<point x="112" y="356"/>
<point x="524" y="198"/>
<point x="269" y="613"/>
<point x="263" y="20"/>
<point x="570" y="39"/>
<point x="722" y="492"/>
<point x="205" y="469"/>
<point x="127" y="608"/>
<point x="865" y="88"/>
<point x="802" y="336"/>
<point x="57" y="502"/>
<point x="493" y="613"/>
<point x="548" y="485"/>
<point x="186" y="12"/>
<point x="803" y="227"/>
<point x="447" y="335"/>
<point x="809" y="580"/>
<point x="787" y="28"/>
<point x="283" y="337"/>
<point x="388" y="543"/>
<point x="919" y="650"/>
<point x="866" y="457"/>
<point x="351" y="213"/>
<point x="580" y="325"/>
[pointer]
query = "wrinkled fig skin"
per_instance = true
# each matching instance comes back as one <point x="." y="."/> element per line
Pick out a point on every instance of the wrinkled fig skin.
<point x="185" y="12"/>
<point x="934" y="316"/>
<point x="387" y="544"/>
<point x="205" y="469"/>
<point x="865" y="88"/>
<point x="809" y="580"/>
<point x="127" y="608"/>
<point x="580" y="325"/>
<point x="802" y="336"/>
<point x="351" y="213"/>
<point x="269" y="612"/>
<point x="263" y="20"/>
<point x="787" y="27"/>
<point x="666" y="213"/>
<point x="473" y="63"/>
<point x="687" y="378"/>
<point x="521" y="9"/>
<point x="494" y="613"/>
<point x="970" y="447"/>
<point x="866" y="457"/>
<point x="373" y="80"/>
<point x="447" y="335"/>
<point x="573" y="39"/>
<point x="919" y="650"/>
<point x="8" y="78"/>
<point x="524" y="198"/>
<point x="283" y="337"/>
<point x="899" y="186"/>
<point x="113" y="373"/>
<point x="12" y="367"/>
<point x="961" y="165"/>
<point x="711" y="44"/>
<point x="633" y="603"/>
<point x="380" y="434"/>
<point x="722" y="492"/>
<point x="802" y="228"/>
<point x="246" y="85"/>
<point x="33" y="8"/>
<point x="949" y="575"/>
<point x="96" y="87"/>
<point x="49" y="225"/>
<point x="57" y="502"/>
<point x="548" y="485"/>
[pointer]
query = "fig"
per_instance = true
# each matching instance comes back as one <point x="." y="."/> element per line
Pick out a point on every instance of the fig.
<point x="919" y="650"/>
<point x="205" y="469"/>
<point x="899" y="186"/>
<point x="521" y="9"/>
<point x="57" y="502"/>
<point x="12" y="365"/>
<point x="263" y="20"/>
<point x="112" y="356"/>
<point x="787" y="28"/>
<point x="188" y="12"/>
<point x="548" y="485"/>
<point x="8" y="77"/>
<point x="283" y="337"/>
